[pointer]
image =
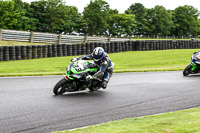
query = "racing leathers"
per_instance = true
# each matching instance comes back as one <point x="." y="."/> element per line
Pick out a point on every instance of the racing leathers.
<point x="105" y="67"/>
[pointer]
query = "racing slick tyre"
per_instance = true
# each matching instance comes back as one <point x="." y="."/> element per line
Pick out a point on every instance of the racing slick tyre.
<point x="59" y="88"/>
<point x="187" y="70"/>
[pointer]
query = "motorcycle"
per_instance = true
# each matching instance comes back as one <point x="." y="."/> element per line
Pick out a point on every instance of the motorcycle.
<point x="79" y="76"/>
<point x="194" y="66"/>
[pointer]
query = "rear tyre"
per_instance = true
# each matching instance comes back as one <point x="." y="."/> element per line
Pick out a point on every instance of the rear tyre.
<point x="187" y="70"/>
<point x="58" y="88"/>
<point x="93" y="88"/>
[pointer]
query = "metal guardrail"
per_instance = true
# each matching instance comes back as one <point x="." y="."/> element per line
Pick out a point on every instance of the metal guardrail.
<point x="37" y="37"/>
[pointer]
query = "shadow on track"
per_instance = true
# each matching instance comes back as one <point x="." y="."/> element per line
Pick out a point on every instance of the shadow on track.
<point x="82" y="94"/>
<point x="193" y="75"/>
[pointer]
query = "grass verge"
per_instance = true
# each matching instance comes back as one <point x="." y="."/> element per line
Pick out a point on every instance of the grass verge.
<point x="186" y="121"/>
<point x="134" y="61"/>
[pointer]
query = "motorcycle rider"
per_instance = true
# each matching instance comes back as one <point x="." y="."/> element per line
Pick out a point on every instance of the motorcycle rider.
<point x="102" y="60"/>
<point x="196" y="57"/>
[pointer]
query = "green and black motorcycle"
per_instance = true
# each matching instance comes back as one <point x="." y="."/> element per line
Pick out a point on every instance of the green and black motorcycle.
<point x="80" y="75"/>
<point x="194" y="66"/>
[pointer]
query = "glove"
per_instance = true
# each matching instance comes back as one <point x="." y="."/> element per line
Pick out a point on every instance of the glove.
<point x="74" y="59"/>
<point x="89" y="77"/>
<point x="99" y="73"/>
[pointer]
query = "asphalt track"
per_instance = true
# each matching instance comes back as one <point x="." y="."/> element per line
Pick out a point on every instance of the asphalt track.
<point x="28" y="105"/>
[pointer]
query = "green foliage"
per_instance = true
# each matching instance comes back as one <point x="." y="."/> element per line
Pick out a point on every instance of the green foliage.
<point x="54" y="16"/>
<point x="96" y="15"/>
<point x="122" y="24"/>
<point x="26" y="21"/>
<point x="160" y="21"/>
<point x="9" y="16"/>
<point x="140" y="13"/>
<point x="186" y="21"/>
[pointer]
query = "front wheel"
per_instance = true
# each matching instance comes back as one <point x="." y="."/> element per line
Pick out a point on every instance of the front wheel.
<point x="59" y="88"/>
<point x="187" y="70"/>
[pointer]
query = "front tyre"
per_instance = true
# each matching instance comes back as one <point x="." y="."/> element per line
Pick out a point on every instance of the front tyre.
<point x="59" y="87"/>
<point x="187" y="70"/>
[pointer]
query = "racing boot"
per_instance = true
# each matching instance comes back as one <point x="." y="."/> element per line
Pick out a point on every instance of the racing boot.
<point x="105" y="80"/>
<point x="104" y="84"/>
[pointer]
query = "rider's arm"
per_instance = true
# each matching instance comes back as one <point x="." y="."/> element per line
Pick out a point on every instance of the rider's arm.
<point x="84" y="57"/>
<point x="102" y="69"/>
<point x="104" y="66"/>
<point x="87" y="57"/>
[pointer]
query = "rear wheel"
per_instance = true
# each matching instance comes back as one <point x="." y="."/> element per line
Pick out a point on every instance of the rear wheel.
<point x="59" y="88"/>
<point x="187" y="70"/>
<point x="93" y="88"/>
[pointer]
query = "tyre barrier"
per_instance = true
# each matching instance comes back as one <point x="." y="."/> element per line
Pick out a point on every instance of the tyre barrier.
<point x="108" y="47"/>
<point x="23" y="52"/>
<point x="12" y="53"/>
<point x="84" y="49"/>
<point x="50" y="52"/>
<point x="59" y="50"/>
<point x="1" y="53"/>
<point x="74" y="50"/>
<point x="29" y="52"/>
<point x="64" y="49"/>
<point x="69" y="50"/>
<point x="8" y="53"/>
<point x="34" y="52"/>
<point x="92" y="46"/>
<point x="54" y="50"/>
<point x="79" y="49"/>
<point x="18" y="52"/>
<point x="45" y="51"/>
<point x="87" y="48"/>
<point x="39" y="51"/>
<point x="112" y="47"/>
<point x="104" y="46"/>
<point x="96" y="44"/>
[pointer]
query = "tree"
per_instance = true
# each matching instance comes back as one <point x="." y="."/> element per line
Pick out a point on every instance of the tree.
<point x="160" y="21"/>
<point x="55" y="17"/>
<point x="186" y="22"/>
<point x="9" y="16"/>
<point x="122" y="24"/>
<point x="96" y="15"/>
<point x="26" y="21"/>
<point x="140" y="13"/>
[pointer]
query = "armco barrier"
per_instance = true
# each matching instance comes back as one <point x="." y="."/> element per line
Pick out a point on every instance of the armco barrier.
<point x="8" y="53"/>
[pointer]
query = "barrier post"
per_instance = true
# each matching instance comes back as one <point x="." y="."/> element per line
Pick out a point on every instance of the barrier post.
<point x="0" y="34"/>
<point x="85" y="39"/>
<point x="109" y="39"/>
<point x="59" y="39"/>
<point x="31" y="37"/>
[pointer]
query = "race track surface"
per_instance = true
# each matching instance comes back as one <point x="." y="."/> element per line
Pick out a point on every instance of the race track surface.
<point x="27" y="104"/>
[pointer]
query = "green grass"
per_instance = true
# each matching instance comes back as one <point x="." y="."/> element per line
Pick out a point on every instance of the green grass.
<point x="187" y="121"/>
<point x="134" y="61"/>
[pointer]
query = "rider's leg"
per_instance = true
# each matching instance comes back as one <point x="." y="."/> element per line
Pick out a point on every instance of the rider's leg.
<point x="105" y="80"/>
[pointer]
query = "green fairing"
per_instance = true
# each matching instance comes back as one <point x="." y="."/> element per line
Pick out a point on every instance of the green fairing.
<point x="94" y="69"/>
<point x="193" y="65"/>
<point x="68" y="75"/>
<point x="76" y="68"/>
<point x="82" y="63"/>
